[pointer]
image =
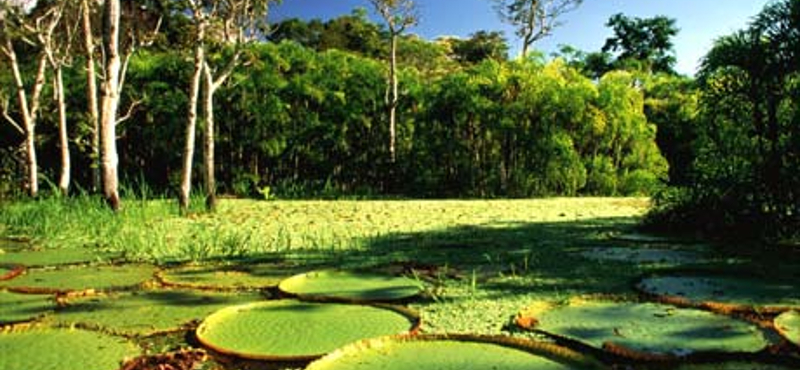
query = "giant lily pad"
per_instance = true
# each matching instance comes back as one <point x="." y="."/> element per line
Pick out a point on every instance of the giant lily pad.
<point x="227" y="277"/>
<point x="735" y="292"/>
<point x="647" y="327"/>
<point x="148" y="312"/>
<point x="454" y="352"/>
<point x="56" y="257"/>
<point x="62" y="349"/>
<point x="78" y="279"/>
<point x="291" y="330"/>
<point x="350" y="286"/>
<point x="16" y="307"/>
<point x="788" y="324"/>
<point x="642" y="255"/>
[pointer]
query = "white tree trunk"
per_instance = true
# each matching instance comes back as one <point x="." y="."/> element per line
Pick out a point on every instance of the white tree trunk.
<point x="65" y="176"/>
<point x="191" y="124"/>
<point x="110" y="103"/>
<point x="393" y="100"/>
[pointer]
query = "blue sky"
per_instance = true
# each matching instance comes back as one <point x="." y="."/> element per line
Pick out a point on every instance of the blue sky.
<point x="700" y="21"/>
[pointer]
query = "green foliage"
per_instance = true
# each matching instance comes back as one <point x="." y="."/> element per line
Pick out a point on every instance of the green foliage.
<point x="646" y="43"/>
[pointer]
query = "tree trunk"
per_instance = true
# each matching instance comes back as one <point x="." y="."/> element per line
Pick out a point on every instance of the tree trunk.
<point x="91" y="92"/>
<point x="29" y="112"/>
<point x="393" y="99"/>
<point x="110" y="103"/>
<point x="64" y="178"/>
<point x="191" y="123"/>
<point x="208" y="148"/>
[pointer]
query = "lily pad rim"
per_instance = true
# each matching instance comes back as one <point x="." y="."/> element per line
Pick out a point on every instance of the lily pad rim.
<point x="784" y="333"/>
<point x="14" y="270"/>
<point x="551" y="351"/>
<point x="313" y="297"/>
<point x="724" y="308"/>
<point x="414" y="318"/>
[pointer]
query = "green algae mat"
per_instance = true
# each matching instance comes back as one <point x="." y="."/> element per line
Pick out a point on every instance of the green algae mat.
<point x="62" y="349"/>
<point x="60" y="256"/>
<point x="80" y="279"/>
<point x="788" y="324"/>
<point x="452" y="353"/>
<point x="255" y="276"/>
<point x="16" y="307"/>
<point x="294" y="331"/>
<point x="737" y="292"/>
<point x="147" y="312"/>
<point x="351" y="286"/>
<point x="648" y="328"/>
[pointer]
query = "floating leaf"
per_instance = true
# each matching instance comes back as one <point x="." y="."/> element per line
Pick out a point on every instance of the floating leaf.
<point x="15" y="307"/>
<point x="62" y="349"/>
<point x="56" y="257"/>
<point x="227" y="277"/>
<point x="642" y="255"/>
<point x="644" y="238"/>
<point x="350" y="286"/>
<point x="148" y="312"/>
<point x="736" y="292"/>
<point x="788" y="324"/>
<point x="649" y="328"/>
<point x="454" y="352"/>
<point x="79" y="279"/>
<point x="294" y="331"/>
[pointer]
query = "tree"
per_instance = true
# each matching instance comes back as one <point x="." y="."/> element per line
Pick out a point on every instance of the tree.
<point x="643" y="41"/>
<point x="36" y="30"/>
<point x="236" y="22"/>
<point x="398" y="16"/>
<point x="534" y="19"/>
<point x="480" y="46"/>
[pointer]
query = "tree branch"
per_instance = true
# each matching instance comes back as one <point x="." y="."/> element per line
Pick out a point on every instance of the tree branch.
<point x="10" y="119"/>
<point x="129" y="113"/>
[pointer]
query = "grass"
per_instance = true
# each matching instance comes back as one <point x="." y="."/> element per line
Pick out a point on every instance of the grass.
<point x="484" y="260"/>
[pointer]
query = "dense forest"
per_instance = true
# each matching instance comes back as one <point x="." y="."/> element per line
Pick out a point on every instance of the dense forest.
<point x="354" y="107"/>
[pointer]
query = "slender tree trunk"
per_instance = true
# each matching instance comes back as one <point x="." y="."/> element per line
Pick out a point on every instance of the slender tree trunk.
<point x="393" y="100"/>
<point x="64" y="178"/>
<point x="191" y="123"/>
<point x="91" y="92"/>
<point x="208" y="148"/>
<point x="29" y="112"/>
<point x="110" y="103"/>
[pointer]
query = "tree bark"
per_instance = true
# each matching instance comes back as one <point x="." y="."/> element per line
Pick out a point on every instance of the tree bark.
<point x="110" y="103"/>
<point x="208" y="148"/>
<point x="91" y="92"/>
<point x="393" y="100"/>
<point x="29" y="112"/>
<point x="191" y="123"/>
<point x="65" y="176"/>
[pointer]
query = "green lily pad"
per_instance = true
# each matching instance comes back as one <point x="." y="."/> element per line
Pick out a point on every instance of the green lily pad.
<point x="295" y="331"/>
<point x="648" y="328"/>
<point x="736" y="292"/>
<point x="227" y="277"/>
<point x="80" y="279"/>
<point x="788" y="324"/>
<point x="15" y="307"/>
<point x="454" y="352"/>
<point x="642" y="255"/>
<point x="733" y="365"/>
<point x="350" y="286"/>
<point x="57" y="257"/>
<point x="644" y="238"/>
<point x="148" y="312"/>
<point x="62" y="349"/>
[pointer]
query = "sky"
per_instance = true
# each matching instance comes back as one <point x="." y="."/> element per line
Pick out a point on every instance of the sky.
<point x="700" y="21"/>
